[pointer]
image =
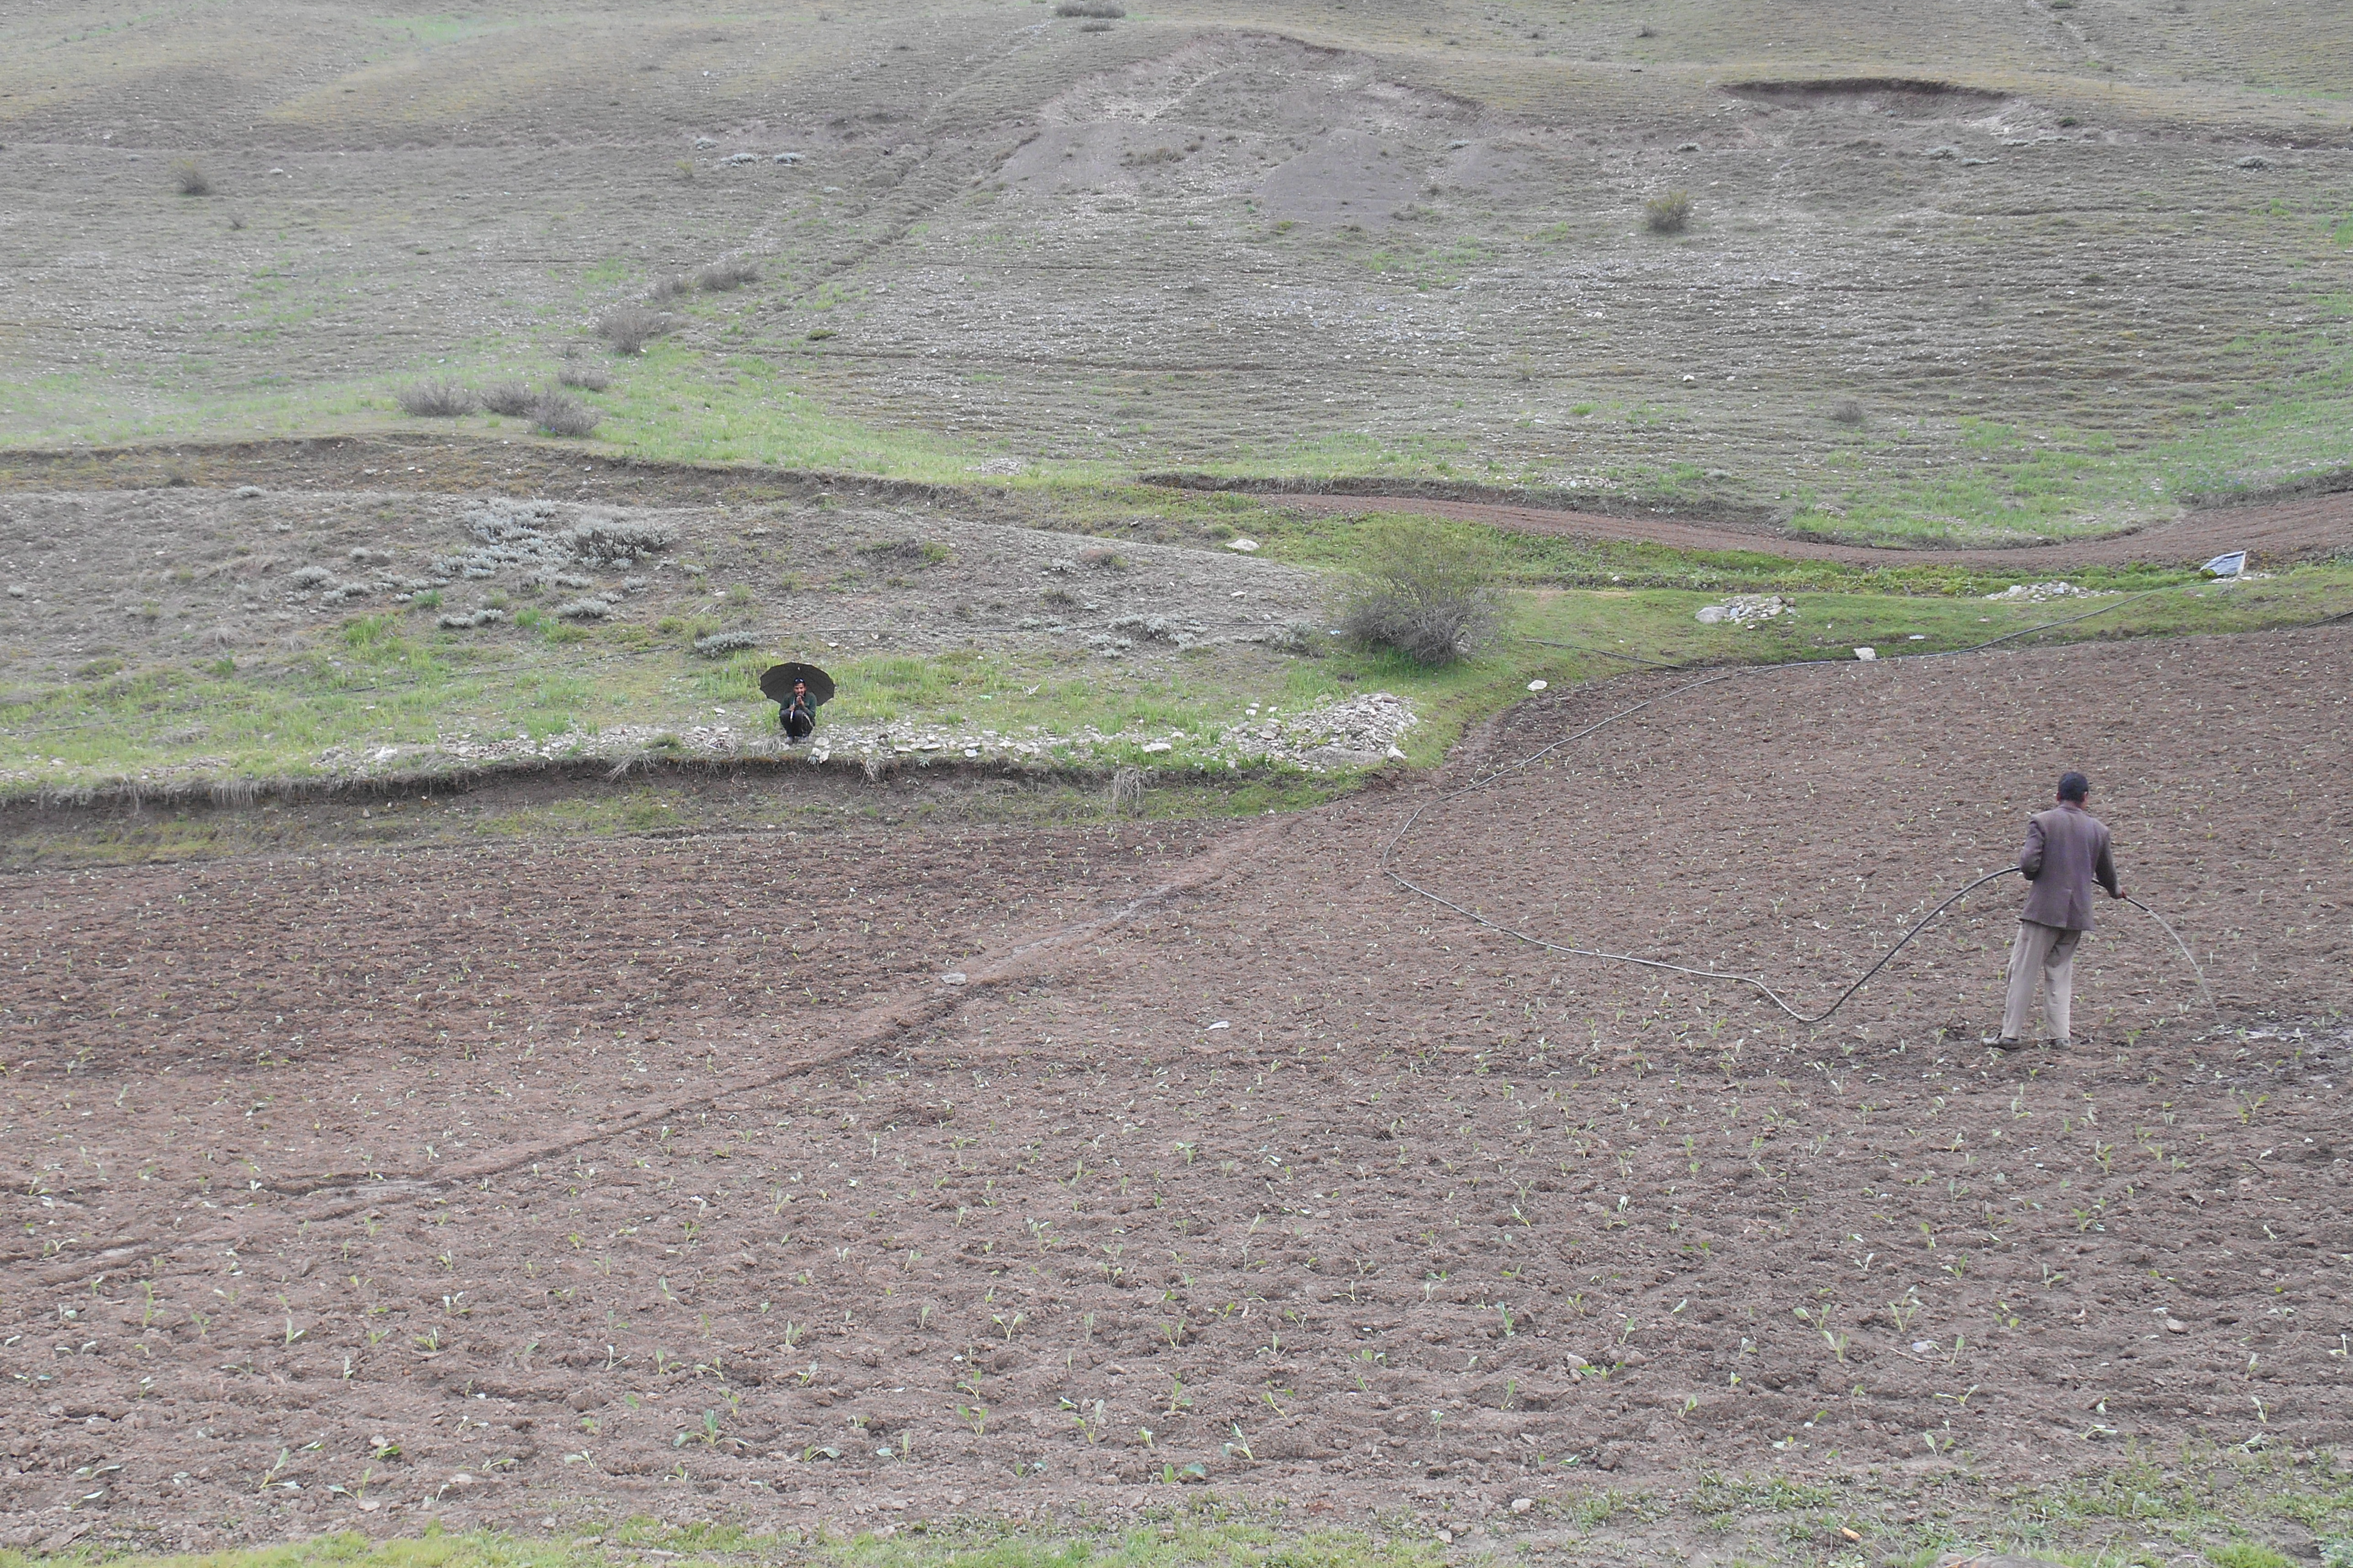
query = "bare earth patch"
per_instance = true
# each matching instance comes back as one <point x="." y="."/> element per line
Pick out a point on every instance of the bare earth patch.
<point x="897" y="1171"/>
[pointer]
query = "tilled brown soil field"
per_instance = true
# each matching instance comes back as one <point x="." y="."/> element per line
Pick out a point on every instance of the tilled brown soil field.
<point x="904" y="1173"/>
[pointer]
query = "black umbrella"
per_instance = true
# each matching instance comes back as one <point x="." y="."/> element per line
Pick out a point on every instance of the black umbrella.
<point x="776" y="683"/>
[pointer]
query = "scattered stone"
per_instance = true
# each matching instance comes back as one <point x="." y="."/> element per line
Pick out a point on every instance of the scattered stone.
<point x="2254" y="160"/>
<point x="248" y="492"/>
<point x="1745" y="611"/>
<point x="2036" y="592"/>
<point x="1538" y="685"/>
<point x="1353" y="731"/>
<point x="1247" y="546"/>
<point x="2176" y="1326"/>
<point x="1866" y="654"/>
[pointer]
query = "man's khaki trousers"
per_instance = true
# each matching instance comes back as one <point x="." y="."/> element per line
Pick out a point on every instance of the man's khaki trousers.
<point x="2051" y="952"/>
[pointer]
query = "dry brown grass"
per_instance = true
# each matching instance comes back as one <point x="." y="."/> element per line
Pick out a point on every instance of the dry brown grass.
<point x="437" y="398"/>
<point x="629" y="328"/>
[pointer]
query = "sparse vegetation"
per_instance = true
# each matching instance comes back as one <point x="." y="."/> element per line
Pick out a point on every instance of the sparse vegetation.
<point x="1670" y="213"/>
<point x="189" y="179"/>
<point x="558" y="414"/>
<point x="629" y="328"/>
<point x="912" y="552"/>
<point x="722" y="276"/>
<point x="719" y="645"/>
<point x="515" y="399"/>
<point x="1430" y="594"/>
<point x="1098" y="10"/>
<point x="439" y="398"/>
<point x="1847" y="411"/>
<point x="584" y="375"/>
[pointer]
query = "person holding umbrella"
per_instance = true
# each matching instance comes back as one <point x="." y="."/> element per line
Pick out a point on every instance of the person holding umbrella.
<point x="798" y="691"/>
<point x="798" y="715"/>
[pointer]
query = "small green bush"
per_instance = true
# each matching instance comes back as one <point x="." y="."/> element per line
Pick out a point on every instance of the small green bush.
<point x="2246" y="1554"/>
<point x="1427" y="592"/>
<point x="188" y="178"/>
<point x="1668" y="214"/>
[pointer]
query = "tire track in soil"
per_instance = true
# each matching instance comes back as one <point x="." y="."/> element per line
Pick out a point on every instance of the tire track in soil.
<point x="870" y="1029"/>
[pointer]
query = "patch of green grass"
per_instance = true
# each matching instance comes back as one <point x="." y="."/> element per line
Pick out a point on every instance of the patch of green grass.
<point x="381" y="683"/>
<point x="2246" y="1554"/>
<point x="675" y="403"/>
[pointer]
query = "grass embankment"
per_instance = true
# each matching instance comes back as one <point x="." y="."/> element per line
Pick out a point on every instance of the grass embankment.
<point x="2226" y="1509"/>
<point x="388" y="694"/>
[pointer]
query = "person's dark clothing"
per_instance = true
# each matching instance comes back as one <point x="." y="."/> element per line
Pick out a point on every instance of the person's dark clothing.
<point x="798" y="717"/>
<point x="2067" y="848"/>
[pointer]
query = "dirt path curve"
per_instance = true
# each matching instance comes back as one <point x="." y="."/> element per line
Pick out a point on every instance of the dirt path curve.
<point x="2281" y="529"/>
<point x="2275" y="531"/>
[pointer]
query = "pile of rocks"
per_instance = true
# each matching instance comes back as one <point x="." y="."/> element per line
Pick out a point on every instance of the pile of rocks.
<point x="1744" y="611"/>
<point x="2036" y="592"/>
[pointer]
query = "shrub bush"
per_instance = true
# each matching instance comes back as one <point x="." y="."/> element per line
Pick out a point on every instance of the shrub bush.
<point x="585" y="375"/>
<point x="558" y="414"/>
<point x="1668" y="214"/>
<point x="1428" y="594"/>
<point x="719" y="645"/>
<point x="609" y="546"/>
<point x="440" y="398"/>
<point x="1102" y="9"/>
<point x="722" y="276"/>
<point x="515" y="399"/>
<point x="1847" y="411"/>
<point x="629" y="328"/>
<point x="670" y="289"/>
<point x="915" y="552"/>
<point x="188" y="178"/>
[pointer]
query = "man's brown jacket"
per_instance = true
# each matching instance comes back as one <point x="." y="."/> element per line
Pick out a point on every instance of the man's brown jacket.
<point x="2067" y="850"/>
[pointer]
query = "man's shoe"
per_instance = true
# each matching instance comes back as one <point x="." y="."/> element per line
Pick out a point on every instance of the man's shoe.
<point x="2060" y="1045"/>
<point x="2009" y="1042"/>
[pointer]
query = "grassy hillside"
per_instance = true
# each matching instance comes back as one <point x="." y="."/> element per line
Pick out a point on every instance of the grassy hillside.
<point x="2095" y="260"/>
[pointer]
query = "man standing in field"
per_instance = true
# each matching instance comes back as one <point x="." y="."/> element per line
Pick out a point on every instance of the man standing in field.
<point x="2066" y="850"/>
